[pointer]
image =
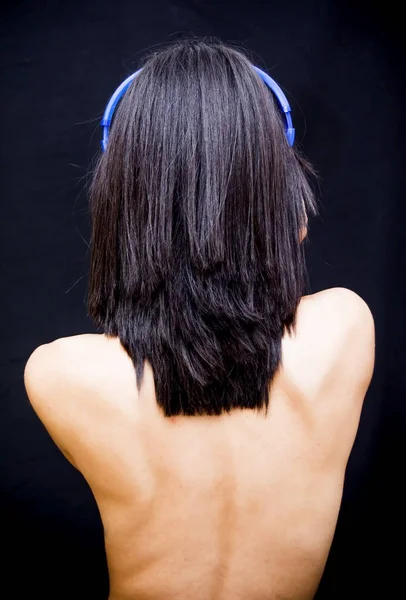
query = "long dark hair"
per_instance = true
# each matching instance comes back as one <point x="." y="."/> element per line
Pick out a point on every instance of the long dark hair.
<point x="198" y="207"/>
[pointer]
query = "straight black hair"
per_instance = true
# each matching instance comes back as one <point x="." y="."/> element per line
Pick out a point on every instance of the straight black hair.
<point x="198" y="209"/>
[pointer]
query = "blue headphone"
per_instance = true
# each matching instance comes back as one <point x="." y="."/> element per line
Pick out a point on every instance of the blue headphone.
<point x="120" y="91"/>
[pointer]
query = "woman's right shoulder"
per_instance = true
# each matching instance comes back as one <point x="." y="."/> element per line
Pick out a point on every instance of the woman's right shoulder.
<point x="343" y="298"/>
<point x="333" y="345"/>
<point x="337" y="312"/>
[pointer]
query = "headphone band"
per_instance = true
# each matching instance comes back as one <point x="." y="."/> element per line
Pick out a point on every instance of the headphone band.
<point x="271" y="83"/>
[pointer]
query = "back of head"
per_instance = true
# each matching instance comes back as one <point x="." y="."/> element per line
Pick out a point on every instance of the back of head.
<point x="198" y="205"/>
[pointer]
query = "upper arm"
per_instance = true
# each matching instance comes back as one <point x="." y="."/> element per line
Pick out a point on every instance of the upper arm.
<point x="358" y="350"/>
<point x="38" y="373"/>
<point x="45" y="384"/>
<point x="331" y="357"/>
<point x="331" y="362"/>
<point x="349" y="349"/>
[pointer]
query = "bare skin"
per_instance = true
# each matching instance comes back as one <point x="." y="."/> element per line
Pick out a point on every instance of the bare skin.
<point x="242" y="506"/>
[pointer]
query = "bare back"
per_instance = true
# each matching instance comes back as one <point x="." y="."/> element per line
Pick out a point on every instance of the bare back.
<point x="216" y="508"/>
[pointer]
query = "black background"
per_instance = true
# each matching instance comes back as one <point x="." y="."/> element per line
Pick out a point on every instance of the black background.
<point x="342" y="66"/>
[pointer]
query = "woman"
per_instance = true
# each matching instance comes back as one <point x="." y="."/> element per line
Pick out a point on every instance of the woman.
<point x="214" y="414"/>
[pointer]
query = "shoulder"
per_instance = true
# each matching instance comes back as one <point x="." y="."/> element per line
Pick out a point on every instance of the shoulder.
<point x="337" y="314"/>
<point x="334" y="341"/>
<point x="91" y="365"/>
<point x="44" y="368"/>
<point x="49" y="375"/>
<point x="51" y="363"/>
<point x="343" y="303"/>
<point x="76" y="357"/>
<point x="71" y="383"/>
<point x="348" y="320"/>
<point x="71" y="364"/>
